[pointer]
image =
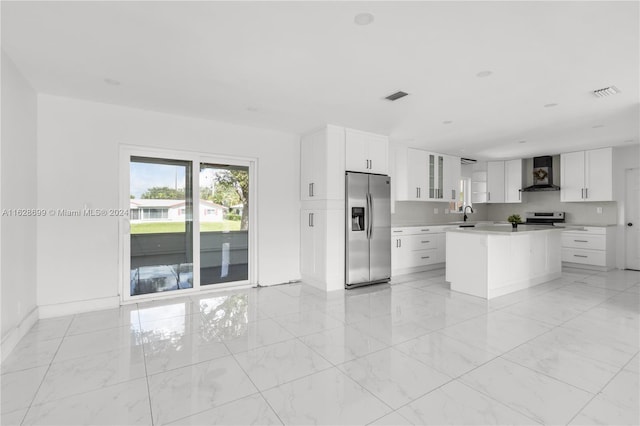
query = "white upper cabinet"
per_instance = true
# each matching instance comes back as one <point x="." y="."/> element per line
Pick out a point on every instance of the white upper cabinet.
<point x="452" y="173"/>
<point x="513" y="181"/>
<point x="572" y="176"/>
<point x="435" y="171"/>
<point x="322" y="165"/>
<point x="366" y="152"/>
<point x="495" y="182"/>
<point x="410" y="175"/>
<point x="598" y="176"/>
<point x="479" y="183"/>
<point x="504" y="181"/>
<point x="426" y="176"/>
<point x="587" y="175"/>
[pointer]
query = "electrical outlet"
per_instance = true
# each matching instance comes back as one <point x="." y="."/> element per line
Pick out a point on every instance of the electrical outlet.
<point x="599" y="210"/>
<point x="435" y="210"/>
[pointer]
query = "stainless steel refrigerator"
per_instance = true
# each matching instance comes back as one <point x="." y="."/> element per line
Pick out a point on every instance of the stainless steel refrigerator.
<point x="368" y="229"/>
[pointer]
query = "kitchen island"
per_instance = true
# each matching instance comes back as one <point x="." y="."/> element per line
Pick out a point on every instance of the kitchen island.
<point x="494" y="260"/>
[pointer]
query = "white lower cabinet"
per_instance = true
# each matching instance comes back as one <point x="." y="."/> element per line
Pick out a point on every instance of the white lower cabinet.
<point x="593" y="248"/>
<point x="417" y="248"/>
<point x="322" y="248"/>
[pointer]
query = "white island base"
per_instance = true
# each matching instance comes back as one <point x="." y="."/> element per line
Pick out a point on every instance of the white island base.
<point x="494" y="261"/>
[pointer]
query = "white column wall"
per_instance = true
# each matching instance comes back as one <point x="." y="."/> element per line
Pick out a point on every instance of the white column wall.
<point x="19" y="191"/>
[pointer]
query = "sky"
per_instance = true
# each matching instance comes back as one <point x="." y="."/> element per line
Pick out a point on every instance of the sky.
<point x="147" y="175"/>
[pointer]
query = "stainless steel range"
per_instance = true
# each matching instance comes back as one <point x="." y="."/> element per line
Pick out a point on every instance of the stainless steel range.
<point x="544" y="218"/>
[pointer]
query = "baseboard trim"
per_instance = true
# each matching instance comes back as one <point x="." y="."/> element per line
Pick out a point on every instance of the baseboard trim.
<point x="70" y="308"/>
<point x="589" y="267"/>
<point x="14" y="335"/>
<point x="416" y="269"/>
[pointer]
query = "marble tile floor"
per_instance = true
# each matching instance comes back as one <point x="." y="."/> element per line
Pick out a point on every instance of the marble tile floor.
<point x="408" y="352"/>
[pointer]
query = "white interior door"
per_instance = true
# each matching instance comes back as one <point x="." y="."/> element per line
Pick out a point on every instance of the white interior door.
<point x="632" y="219"/>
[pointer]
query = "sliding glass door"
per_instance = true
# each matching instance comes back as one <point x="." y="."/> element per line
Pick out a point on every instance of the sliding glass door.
<point x="161" y="242"/>
<point x="224" y="223"/>
<point x="178" y="241"/>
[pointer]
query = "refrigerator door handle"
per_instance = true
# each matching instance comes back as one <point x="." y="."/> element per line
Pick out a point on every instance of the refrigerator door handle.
<point x="370" y="216"/>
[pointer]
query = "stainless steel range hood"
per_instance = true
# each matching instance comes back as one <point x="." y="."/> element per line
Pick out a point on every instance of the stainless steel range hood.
<point x="542" y="175"/>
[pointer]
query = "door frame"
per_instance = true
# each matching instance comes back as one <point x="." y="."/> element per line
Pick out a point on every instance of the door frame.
<point x="124" y="225"/>
<point x="627" y="172"/>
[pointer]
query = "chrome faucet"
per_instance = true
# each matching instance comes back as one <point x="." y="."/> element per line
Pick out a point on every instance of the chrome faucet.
<point x="464" y="211"/>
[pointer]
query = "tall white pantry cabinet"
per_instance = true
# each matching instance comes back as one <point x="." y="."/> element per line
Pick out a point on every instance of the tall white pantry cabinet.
<point x="325" y="156"/>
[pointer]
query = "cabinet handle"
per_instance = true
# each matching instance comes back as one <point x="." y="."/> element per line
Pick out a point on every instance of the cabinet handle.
<point x="579" y="255"/>
<point x="370" y="164"/>
<point x="311" y="219"/>
<point x="424" y="257"/>
<point x="581" y="241"/>
<point x="397" y="231"/>
<point x="582" y="196"/>
<point x="488" y="196"/>
<point x="519" y="194"/>
<point x="453" y="194"/>
<point x="400" y="241"/>
<point x="425" y="230"/>
<point x="586" y="193"/>
<point x="424" y="242"/>
<point x="310" y="190"/>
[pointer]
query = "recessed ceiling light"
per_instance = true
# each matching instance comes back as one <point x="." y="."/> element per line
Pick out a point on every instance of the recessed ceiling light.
<point x="252" y="108"/>
<point x="395" y="96"/>
<point x="482" y="74"/>
<point x="111" y="82"/>
<point x="550" y="105"/>
<point x="597" y="126"/>
<point x="606" y="91"/>
<point x="447" y="122"/>
<point x="522" y="141"/>
<point x="363" y="18"/>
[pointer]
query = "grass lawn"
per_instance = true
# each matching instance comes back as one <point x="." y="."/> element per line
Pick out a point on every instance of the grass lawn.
<point x="159" y="227"/>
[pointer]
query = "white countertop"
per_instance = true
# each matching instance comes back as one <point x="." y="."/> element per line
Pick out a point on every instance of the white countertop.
<point x="507" y="229"/>
<point x="489" y="222"/>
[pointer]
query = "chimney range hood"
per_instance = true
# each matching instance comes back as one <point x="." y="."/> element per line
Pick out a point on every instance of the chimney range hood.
<point x="542" y="175"/>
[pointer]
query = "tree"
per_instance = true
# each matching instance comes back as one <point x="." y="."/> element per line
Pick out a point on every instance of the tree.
<point x="228" y="183"/>
<point x="163" y="193"/>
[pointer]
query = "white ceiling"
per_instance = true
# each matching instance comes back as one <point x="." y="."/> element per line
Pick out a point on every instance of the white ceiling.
<point x="294" y="66"/>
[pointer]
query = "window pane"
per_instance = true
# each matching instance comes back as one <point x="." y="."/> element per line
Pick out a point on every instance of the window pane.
<point x="161" y="225"/>
<point x="224" y="223"/>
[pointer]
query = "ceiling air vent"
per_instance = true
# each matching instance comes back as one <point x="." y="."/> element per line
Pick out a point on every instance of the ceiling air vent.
<point x="396" y="96"/>
<point x="468" y="161"/>
<point x="607" y="91"/>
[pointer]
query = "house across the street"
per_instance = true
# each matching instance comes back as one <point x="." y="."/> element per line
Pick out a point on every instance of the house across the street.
<point x="148" y="210"/>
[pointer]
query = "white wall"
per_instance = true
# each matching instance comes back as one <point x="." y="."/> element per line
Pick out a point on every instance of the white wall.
<point x="78" y="163"/>
<point x="19" y="191"/>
